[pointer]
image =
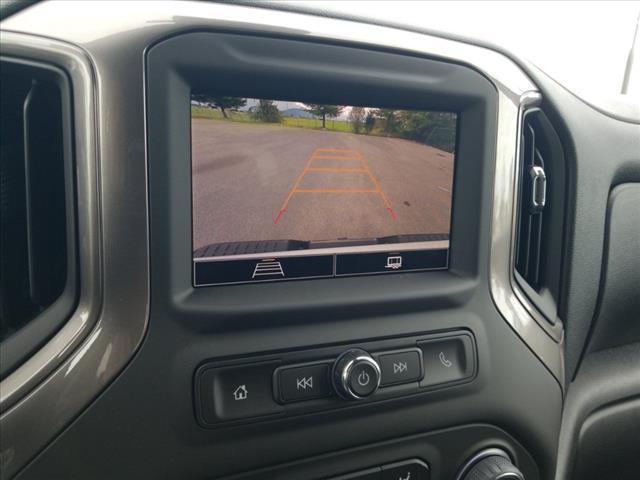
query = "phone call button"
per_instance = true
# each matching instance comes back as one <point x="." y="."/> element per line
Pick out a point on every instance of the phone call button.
<point x="447" y="359"/>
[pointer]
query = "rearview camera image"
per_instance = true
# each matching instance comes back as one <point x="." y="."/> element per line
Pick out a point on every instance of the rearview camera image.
<point x="285" y="182"/>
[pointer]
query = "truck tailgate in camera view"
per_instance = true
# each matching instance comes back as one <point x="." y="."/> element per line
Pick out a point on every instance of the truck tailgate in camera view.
<point x="277" y="182"/>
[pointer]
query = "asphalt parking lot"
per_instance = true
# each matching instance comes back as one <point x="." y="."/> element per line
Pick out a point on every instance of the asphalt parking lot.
<point x="268" y="182"/>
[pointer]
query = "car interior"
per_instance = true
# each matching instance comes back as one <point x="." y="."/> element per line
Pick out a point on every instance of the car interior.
<point x="264" y="240"/>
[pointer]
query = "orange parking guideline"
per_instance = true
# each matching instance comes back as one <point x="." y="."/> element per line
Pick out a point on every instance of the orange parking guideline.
<point x="375" y="182"/>
<point x="335" y="157"/>
<point x="341" y="154"/>
<point x="337" y="170"/>
<point x="291" y="192"/>
<point x="335" y="190"/>
<point x="336" y="150"/>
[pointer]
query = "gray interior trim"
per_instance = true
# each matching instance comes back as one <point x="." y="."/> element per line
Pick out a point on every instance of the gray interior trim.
<point x="605" y="378"/>
<point x="110" y="320"/>
<point x="70" y="60"/>
<point x="618" y="302"/>
<point x="544" y="339"/>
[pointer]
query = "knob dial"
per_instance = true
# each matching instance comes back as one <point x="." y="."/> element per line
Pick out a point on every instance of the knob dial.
<point x="355" y="374"/>
<point x="490" y="464"/>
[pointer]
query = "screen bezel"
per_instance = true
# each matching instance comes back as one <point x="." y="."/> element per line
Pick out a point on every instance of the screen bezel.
<point x="176" y="66"/>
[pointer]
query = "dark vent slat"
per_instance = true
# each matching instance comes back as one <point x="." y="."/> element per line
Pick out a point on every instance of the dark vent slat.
<point x="540" y="223"/>
<point x="534" y="263"/>
<point x="529" y="241"/>
<point x="37" y="256"/>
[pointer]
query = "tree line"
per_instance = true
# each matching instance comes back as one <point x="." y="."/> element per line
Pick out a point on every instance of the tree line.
<point x="437" y="129"/>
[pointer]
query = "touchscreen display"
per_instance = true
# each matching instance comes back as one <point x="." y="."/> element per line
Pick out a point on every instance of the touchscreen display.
<point x="287" y="190"/>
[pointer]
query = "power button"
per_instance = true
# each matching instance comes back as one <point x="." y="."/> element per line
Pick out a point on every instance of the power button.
<point x="356" y="374"/>
<point x="363" y="379"/>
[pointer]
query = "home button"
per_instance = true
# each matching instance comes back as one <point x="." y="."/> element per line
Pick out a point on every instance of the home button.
<point x="236" y="392"/>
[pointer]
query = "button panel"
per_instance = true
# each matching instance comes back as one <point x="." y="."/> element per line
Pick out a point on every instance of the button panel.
<point x="300" y="382"/>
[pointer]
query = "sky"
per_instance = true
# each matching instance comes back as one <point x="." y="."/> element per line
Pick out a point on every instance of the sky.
<point x="282" y="106"/>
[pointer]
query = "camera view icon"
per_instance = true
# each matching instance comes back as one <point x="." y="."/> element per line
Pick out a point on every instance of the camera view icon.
<point x="268" y="267"/>
<point x="394" y="262"/>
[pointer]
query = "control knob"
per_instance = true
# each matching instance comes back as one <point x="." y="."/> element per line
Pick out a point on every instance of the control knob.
<point x="490" y="464"/>
<point x="355" y="375"/>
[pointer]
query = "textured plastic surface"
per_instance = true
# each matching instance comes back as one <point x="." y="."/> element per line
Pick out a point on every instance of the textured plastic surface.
<point x="608" y="445"/>
<point x="606" y="381"/>
<point x="618" y="317"/>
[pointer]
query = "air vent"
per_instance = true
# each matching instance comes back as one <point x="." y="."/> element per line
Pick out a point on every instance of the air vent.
<point x="533" y="186"/>
<point x="539" y="233"/>
<point x="36" y="214"/>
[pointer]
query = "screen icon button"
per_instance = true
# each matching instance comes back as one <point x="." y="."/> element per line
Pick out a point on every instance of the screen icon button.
<point x="394" y="262"/>
<point x="268" y="267"/>
<point x="390" y="262"/>
<point x="217" y="272"/>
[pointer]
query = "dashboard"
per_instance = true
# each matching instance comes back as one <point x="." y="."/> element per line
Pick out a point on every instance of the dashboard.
<point x="305" y="247"/>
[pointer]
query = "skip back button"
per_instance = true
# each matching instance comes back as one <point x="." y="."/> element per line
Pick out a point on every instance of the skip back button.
<point x="303" y="382"/>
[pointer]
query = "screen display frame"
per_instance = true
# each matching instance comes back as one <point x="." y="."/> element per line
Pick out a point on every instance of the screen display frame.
<point x="175" y="68"/>
<point x="319" y="262"/>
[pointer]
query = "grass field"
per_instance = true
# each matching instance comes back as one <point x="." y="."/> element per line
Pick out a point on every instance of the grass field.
<point x="244" y="117"/>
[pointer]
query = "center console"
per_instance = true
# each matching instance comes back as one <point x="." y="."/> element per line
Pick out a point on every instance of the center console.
<point x="327" y="287"/>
